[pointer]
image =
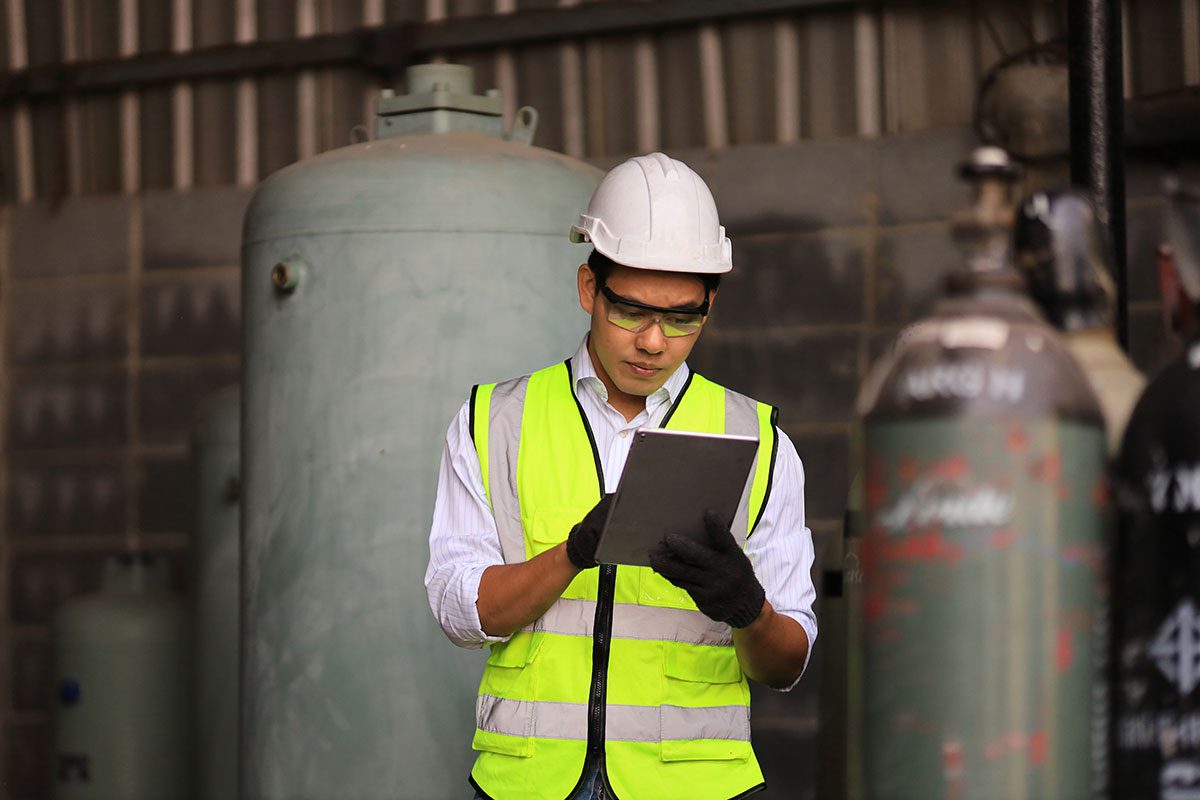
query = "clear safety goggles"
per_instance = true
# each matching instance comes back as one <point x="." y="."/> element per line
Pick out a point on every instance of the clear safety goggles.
<point x="636" y="317"/>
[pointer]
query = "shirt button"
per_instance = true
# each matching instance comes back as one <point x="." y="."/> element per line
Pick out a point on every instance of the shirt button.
<point x="624" y="433"/>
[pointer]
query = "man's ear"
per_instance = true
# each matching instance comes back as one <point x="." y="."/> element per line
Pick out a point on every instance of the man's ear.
<point x="587" y="288"/>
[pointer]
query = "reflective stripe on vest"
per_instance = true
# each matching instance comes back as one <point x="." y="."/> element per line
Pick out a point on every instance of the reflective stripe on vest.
<point x="674" y="691"/>
<point x="633" y="621"/>
<point x="622" y="723"/>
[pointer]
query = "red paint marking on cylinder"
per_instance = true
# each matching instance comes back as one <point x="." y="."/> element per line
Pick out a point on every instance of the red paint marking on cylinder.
<point x="1048" y="469"/>
<point x="1037" y="748"/>
<point x="928" y="546"/>
<point x="1016" y="440"/>
<point x="1064" y="651"/>
<point x="951" y="468"/>
<point x="875" y="606"/>
<point x="909" y="469"/>
<point x="1002" y="539"/>
<point x="1088" y="555"/>
<point x="952" y="759"/>
<point x="1100" y="495"/>
<point x="953" y="769"/>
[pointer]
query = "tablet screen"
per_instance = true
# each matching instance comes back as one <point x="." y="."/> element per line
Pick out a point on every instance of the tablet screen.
<point x="670" y="479"/>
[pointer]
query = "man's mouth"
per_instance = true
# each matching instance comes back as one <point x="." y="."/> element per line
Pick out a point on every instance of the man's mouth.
<point x="642" y="370"/>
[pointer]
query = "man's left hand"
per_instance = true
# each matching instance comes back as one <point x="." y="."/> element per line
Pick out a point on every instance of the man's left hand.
<point x="718" y="576"/>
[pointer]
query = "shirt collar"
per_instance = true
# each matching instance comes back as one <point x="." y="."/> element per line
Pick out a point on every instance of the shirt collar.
<point x="585" y="376"/>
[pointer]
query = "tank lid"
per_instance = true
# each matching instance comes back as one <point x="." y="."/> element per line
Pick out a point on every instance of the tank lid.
<point x="135" y="572"/>
<point x="440" y="86"/>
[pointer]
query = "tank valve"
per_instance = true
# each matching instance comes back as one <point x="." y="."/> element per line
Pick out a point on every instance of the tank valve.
<point x="285" y="276"/>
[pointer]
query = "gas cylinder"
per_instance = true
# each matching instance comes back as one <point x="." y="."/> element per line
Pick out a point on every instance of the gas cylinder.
<point x="215" y="491"/>
<point x="1156" y="580"/>
<point x="1065" y="257"/>
<point x="983" y="494"/>
<point x="380" y="282"/>
<point x="121" y="711"/>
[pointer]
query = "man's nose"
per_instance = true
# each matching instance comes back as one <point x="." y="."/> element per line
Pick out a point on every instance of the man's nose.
<point x="652" y="339"/>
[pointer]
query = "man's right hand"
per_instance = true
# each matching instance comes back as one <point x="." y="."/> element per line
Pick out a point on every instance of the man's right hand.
<point x="582" y="541"/>
<point x="512" y="596"/>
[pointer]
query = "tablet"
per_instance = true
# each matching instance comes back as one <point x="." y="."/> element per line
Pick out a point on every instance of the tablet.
<point x="670" y="479"/>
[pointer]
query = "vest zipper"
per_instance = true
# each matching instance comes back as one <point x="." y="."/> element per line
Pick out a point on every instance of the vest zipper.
<point x="601" y="643"/>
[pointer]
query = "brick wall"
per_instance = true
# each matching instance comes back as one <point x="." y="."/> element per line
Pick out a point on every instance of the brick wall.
<point x="119" y="314"/>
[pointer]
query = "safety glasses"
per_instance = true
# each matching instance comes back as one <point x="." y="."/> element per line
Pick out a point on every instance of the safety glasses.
<point x="636" y="317"/>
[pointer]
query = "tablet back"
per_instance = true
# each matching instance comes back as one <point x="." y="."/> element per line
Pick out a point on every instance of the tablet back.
<point x="670" y="479"/>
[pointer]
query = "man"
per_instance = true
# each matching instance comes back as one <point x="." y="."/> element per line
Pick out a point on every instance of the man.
<point x="608" y="681"/>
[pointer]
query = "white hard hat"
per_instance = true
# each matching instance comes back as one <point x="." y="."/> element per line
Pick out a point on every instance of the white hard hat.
<point x="653" y="212"/>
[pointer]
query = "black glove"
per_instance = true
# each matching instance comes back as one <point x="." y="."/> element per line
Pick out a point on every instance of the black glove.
<point x="581" y="542"/>
<point x="719" y="577"/>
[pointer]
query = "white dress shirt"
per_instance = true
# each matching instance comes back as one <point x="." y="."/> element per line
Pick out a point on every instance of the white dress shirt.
<point x="463" y="540"/>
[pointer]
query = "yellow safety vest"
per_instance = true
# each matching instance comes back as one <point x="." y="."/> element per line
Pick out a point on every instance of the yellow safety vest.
<point x="622" y="670"/>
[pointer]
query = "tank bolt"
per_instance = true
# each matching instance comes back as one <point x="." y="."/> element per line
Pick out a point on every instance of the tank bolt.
<point x="286" y="276"/>
<point x="233" y="490"/>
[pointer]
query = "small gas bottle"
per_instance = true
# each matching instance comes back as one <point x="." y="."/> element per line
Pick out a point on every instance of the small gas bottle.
<point x="121" y="713"/>
<point x="1156" y="580"/>
<point x="983" y="496"/>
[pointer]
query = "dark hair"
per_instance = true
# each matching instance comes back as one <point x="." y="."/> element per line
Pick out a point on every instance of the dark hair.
<point x="602" y="267"/>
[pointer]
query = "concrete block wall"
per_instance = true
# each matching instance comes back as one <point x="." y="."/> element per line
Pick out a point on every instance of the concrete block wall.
<point x="120" y="313"/>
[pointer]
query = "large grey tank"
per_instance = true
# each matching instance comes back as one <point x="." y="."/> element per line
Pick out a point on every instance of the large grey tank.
<point x="215" y="580"/>
<point x="381" y="281"/>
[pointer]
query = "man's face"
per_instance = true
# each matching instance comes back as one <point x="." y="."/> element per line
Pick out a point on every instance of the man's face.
<point x="639" y="363"/>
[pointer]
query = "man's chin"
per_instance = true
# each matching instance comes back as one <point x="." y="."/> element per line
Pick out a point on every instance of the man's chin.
<point x="641" y="388"/>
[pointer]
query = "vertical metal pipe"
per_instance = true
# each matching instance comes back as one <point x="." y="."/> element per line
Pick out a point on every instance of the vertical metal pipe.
<point x="18" y="59"/>
<point x="1097" y="125"/>
<point x="1126" y="50"/>
<point x="867" y="54"/>
<point x="506" y="67"/>
<point x="374" y="15"/>
<point x="245" y="31"/>
<point x="787" y="81"/>
<point x="571" y="69"/>
<point x="72" y="113"/>
<point x="1190" y="23"/>
<point x="594" y="79"/>
<point x="646" y="94"/>
<point x="183" y="109"/>
<point x="306" y="86"/>
<point x="712" y="88"/>
<point x="131" y="132"/>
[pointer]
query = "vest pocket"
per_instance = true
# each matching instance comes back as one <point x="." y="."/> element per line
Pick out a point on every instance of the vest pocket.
<point x="655" y="590"/>
<point x="504" y="724"/>
<point x="548" y="527"/>
<point x="706" y="717"/>
<point x="705" y="750"/>
<point x="701" y="663"/>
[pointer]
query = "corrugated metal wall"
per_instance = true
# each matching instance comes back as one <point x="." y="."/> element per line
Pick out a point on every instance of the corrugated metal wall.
<point x="813" y="75"/>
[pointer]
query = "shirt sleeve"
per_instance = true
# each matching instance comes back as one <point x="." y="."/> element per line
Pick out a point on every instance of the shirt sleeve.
<point x="781" y="547"/>
<point x="463" y="540"/>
